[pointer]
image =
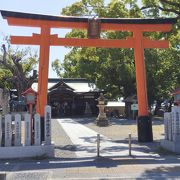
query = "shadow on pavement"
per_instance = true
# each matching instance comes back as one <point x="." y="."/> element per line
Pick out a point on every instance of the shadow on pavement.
<point x="163" y="172"/>
<point x="97" y="162"/>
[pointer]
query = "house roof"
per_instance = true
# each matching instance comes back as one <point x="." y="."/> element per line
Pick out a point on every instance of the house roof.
<point x="61" y="84"/>
<point x="78" y="85"/>
<point x="30" y="90"/>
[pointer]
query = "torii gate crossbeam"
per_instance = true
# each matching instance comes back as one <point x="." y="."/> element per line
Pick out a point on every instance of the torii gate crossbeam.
<point x="137" y="41"/>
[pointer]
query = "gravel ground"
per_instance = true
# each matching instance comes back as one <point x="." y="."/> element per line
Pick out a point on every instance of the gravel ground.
<point x="119" y="129"/>
<point x="64" y="148"/>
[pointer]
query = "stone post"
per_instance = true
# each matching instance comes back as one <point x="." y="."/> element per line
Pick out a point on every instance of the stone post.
<point x="17" y="140"/>
<point x="8" y="130"/>
<point x="27" y="129"/>
<point x="47" y="125"/>
<point x="176" y="123"/>
<point x="167" y="125"/>
<point x="37" y="130"/>
<point x="4" y="101"/>
<point x="0" y="130"/>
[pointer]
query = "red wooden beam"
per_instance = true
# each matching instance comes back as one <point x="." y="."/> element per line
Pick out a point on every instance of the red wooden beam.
<point x="103" y="43"/>
<point x="79" y="42"/>
<point x="26" y="40"/>
<point x="148" y="43"/>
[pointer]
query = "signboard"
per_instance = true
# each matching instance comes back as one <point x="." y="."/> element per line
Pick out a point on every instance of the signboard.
<point x="30" y="98"/>
<point x="94" y="28"/>
<point x="134" y="107"/>
<point x="27" y="129"/>
<point x="37" y="130"/>
<point x="8" y="130"/>
<point x="17" y="140"/>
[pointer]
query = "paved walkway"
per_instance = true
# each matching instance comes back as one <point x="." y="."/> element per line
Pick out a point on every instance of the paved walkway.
<point x="85" y="140"/>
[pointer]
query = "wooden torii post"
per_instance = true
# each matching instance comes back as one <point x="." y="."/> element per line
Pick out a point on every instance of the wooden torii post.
<point x="45" y="39"/>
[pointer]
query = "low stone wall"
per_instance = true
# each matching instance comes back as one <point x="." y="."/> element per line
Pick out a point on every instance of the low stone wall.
<point x="13" y="145"/>
<point x="172" y="130"/>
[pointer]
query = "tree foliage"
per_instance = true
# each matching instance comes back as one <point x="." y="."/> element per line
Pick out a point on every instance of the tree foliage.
<point x="156" y="8"/>
<point x="16" y="68"/>
<point x="113" y="69"/>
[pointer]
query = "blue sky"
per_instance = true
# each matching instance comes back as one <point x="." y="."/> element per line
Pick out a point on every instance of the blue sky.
<point x="50" y="7"/>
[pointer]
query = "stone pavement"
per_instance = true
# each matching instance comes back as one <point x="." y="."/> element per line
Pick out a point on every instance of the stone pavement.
<point x="80" y="162"/>
<point x="85" y="140"/>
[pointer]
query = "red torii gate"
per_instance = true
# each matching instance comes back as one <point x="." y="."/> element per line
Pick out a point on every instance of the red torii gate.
<point x="137" y="41"/>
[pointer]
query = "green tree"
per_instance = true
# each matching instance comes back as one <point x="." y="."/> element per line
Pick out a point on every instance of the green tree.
<point x="57" y="67"/>
<point x="161" y="8"/>
<point x="16" y="68"/>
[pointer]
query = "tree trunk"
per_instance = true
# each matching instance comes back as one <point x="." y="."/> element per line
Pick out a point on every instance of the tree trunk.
<point x="4" y="101"/>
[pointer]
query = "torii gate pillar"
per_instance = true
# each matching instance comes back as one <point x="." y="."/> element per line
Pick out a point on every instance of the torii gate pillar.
<point x="144" y="122"/>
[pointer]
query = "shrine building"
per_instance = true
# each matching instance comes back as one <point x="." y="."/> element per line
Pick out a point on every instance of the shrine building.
<point x="72" y="96"/>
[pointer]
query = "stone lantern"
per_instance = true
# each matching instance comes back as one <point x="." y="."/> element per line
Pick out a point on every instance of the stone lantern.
<point x="101" y="119"/>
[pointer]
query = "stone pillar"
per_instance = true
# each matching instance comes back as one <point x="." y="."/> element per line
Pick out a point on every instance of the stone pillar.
<point x="172" y="132"/>
<point x="4" y="101"/>
<point x="47" y="125"/>
<point x="27" y="129"/>
<point x="170" y="127"/>
<point x="8" y="130"/>
<point x="37" y="130"/>
<point x="176" y="123"/>
<point x="167" y="125"/>
<point x="0" y="130"/>
<point x="17" y="140"/>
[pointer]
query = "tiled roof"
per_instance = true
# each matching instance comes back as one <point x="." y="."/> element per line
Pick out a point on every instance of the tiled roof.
<point x="78" y="85"/>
